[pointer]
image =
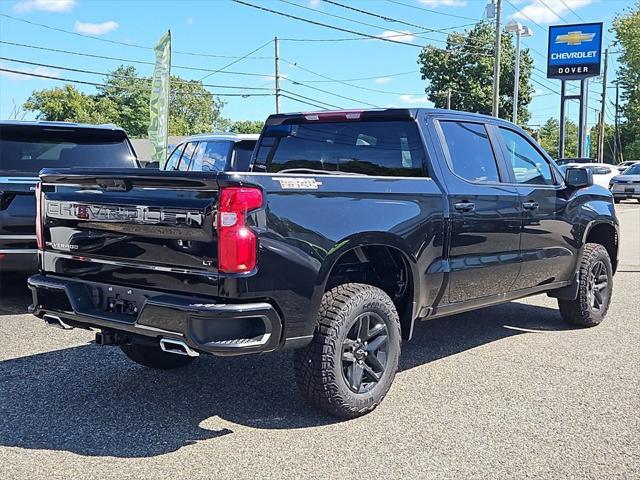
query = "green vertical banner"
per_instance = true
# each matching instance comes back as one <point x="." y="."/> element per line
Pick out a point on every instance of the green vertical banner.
<point x="159" y="102"/>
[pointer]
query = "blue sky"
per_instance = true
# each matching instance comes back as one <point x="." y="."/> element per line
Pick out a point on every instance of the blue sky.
<point x="228" y="29"/>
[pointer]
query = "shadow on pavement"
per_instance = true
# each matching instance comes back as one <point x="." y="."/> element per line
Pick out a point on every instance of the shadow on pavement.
<point x="93" y="401"/>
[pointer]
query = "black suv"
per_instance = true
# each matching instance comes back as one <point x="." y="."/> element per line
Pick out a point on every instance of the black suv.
<point x="28" y="147"/>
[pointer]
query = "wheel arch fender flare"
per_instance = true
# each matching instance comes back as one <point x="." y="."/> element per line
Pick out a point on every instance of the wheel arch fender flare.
<point x="367" y="239"/>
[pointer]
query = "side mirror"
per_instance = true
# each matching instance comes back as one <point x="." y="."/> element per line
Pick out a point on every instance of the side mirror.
<point x="576" y="177"/>
<point x="154" y="164"/>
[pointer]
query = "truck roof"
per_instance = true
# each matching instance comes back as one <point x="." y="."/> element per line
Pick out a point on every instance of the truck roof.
<point x="380" y="113"/>
<point x="46" y="123"/>
<point x="234" y="137"/>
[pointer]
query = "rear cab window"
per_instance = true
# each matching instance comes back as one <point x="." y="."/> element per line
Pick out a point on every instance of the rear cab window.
<point x="32" y="148"/>
<point x="380" y="148"/>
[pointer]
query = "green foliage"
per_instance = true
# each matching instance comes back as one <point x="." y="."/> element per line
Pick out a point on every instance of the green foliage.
<point x="246" y="126"/>
<point x="627" y="29"/>
<point x="124" y="100"/>
<point x="549" y="136"/>
<point x="466" y="67"/>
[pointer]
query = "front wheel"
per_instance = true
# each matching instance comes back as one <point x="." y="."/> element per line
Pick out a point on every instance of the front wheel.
<point x="349" y="366"/>
<point x="153" y="357"/>
<point x="594" y="291"/>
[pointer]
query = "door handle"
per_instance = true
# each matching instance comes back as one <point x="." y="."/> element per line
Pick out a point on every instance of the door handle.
<point x="530" y="205"/>
<point x="465" y="206"/>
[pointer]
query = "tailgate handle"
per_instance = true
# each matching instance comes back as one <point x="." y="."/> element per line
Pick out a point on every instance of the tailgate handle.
<point x="114" y="185"/>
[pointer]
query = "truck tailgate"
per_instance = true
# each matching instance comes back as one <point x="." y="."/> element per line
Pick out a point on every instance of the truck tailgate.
<point x="142" y="228"/>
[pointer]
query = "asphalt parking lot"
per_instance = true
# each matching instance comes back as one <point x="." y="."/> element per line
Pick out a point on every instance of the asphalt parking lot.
<point x="505" y="392"/>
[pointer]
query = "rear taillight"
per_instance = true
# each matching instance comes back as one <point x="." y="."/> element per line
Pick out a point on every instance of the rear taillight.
<point x="39" y="220"/>
<point x="237" y="244"/>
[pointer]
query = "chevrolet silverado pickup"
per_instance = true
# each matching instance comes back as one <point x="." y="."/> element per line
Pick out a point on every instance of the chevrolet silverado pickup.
<point x="26" y="148"/>
<point x="351" y="227"/>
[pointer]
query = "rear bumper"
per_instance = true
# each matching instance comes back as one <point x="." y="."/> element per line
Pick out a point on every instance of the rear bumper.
<point x="203" y="324"/>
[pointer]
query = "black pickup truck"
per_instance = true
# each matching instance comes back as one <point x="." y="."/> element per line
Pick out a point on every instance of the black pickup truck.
<point x="351" y="226"/>
<point x="26" y="148"/>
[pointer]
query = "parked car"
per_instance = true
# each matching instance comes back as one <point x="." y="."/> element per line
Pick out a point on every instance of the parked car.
<point x="26" y="148"/>
<point x="213" y="153"/>
<point x="622" y="166"/>
<point x="351" y="227"/>
<point x="602" y="172"/>
<point x="627" y="184"/>
<point x="572" y="160"/>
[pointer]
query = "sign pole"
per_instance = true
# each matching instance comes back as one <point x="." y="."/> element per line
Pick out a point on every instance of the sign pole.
<point x="603" y="104"/>
<point x="582" y="118"/>
<point x="562" y="120"/>
<point x="495" y="109"/>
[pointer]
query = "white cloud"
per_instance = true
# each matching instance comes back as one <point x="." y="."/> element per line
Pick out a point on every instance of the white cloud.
<point x="444" y="3"/>
<point x="400" y="35"/>
<point x="16" y="77"/>
<point x="314" y="3"/>
<point x="191" y="20"/>
<point x="548" y="11"/>
<point x="96" y="28"/>
<point x="383" y="80"/>
<point x="413" y="99"/>
<point x="44" y="5"/>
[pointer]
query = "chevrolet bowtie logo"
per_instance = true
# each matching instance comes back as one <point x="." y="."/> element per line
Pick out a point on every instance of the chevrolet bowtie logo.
<point x="575" y="38"/>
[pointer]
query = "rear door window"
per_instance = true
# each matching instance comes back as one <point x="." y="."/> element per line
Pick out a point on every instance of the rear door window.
<point x="382" y="148"/>
<point x="243" y="152"/>
<point x="187" y="155"/>
<point x="470" y="152"/>
<point x="174" y="158"/>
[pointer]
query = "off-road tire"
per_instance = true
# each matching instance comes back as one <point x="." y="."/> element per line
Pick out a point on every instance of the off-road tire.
<point x="153" y="357"/>
<point x="319" y="367"/>
<point x="580" y="311"/>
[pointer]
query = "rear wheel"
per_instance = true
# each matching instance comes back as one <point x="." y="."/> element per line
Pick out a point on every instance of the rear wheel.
<point x="594" y="291"/>
<point x="153" y="357"/>
<point x="352" y="360"/>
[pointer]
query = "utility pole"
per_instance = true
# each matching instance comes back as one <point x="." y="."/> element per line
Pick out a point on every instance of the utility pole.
<point x="615" y="139"/>
<point x="448" y="99"/>
<point x="602" y="112"/>
<point x="496" y="60"/>
<point x="277" y="79"/>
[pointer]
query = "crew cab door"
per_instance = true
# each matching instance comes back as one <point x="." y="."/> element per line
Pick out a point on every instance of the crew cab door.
<point x="485" y="213"/>
<point x="546" y="249"/>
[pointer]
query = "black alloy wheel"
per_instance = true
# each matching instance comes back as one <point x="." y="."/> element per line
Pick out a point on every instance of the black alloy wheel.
<point x="364" y="352"/>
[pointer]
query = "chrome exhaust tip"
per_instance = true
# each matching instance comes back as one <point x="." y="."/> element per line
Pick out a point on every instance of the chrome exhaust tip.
<point x="177" y="347"/>
<point x="55" y="321"/>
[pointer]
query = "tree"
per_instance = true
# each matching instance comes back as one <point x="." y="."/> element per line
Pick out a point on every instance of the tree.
<point x="465" y="66"/>
<point x="627" y="29"/>
<point x="549" y="136"/>
<point x="246" y="126"/>
<point x="124" y="100"/>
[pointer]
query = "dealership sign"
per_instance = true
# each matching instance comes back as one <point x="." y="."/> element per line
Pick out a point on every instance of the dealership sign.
<point x="574" y="51"/>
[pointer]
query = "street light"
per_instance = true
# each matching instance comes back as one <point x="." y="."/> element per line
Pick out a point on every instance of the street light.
<point x="520" y="31"/>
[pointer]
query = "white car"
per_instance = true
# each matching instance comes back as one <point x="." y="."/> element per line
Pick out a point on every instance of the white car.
<point x="622" y="166"/>
<point x="626" y="185"/>
<point x="602" y="172"/>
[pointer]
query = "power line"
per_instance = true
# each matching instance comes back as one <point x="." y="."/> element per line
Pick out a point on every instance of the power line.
<point x="236" y="60"/>
<point x="132" y="87"/>
<point x="325" y="25"/>
<point x="302" y="101"/>
<point x="572" y="10"/>
<point x="389" y="19"/>
<point x="554" y="12"/>
<point x="93" y="72"/>
<point x="295" y="82"/>
<point x="133" y="45"/>
<point x="417" y="34"/>
<point x="311" y="99"/>
<point x="434" y="11"/>
<point x="104" y="57"/>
